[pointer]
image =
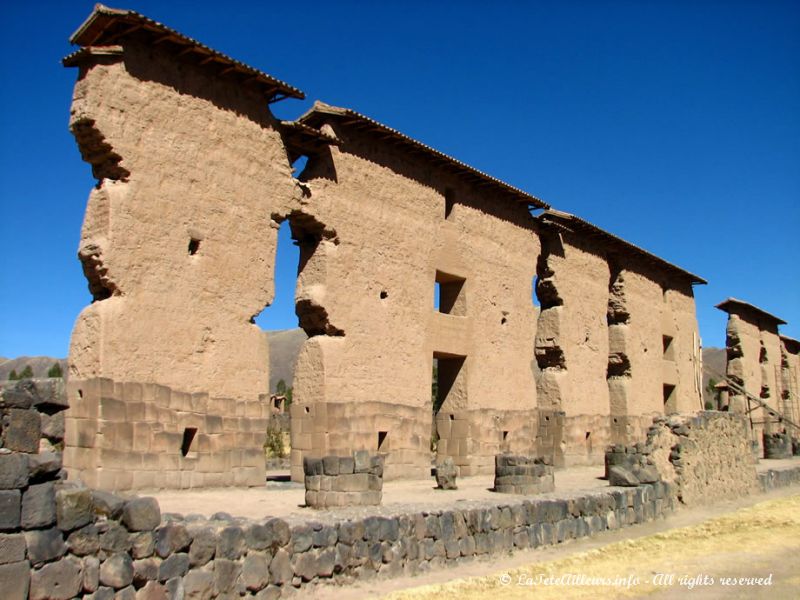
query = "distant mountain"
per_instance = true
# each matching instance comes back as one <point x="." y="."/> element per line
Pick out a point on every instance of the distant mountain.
<point x="39" y="364"/>
<point x="284" y="346"/>
<point x="714" y="360"/>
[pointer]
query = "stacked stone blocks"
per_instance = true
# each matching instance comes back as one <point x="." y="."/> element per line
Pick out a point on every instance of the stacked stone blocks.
<point x="777" y="445"/>
<point x="707" y="456"/>
<point x="122" y="436"/>
<point x="522" y="475"/>
<point x="343" y="480"/>
<point x="60" y="540"/>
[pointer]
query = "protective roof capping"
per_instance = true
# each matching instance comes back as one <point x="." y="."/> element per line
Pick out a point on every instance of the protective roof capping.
<point x="792" y="345"/>
<point x="735" y="306"/>
<point x="571" y="223"/>
<point x="320" y="112"/>
<point x="301" y="139"/>
<point x="107" y="26"/>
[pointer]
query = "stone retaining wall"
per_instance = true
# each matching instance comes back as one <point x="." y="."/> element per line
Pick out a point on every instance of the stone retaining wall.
<point x="522" y="475"/>
<point x="343" y="480"/>
<point x="708" y="456"/>
<point x="60" y="540"/>
<point x="777" y="445"/>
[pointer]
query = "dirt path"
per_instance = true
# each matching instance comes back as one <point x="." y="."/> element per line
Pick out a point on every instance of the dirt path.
<point x="728" y="540"/>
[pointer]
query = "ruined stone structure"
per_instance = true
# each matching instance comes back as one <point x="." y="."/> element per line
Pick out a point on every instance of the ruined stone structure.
<point x="551" y="336"/>
<point x="762" y="365"/>
<point x="60" y="539"/>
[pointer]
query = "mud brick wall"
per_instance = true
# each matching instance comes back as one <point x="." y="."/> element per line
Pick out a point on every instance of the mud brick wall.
<point x="522" y="475"/>
<point x="707" y="456"/>
<point x="123" y="436"/>
<point x="343" y="480"/>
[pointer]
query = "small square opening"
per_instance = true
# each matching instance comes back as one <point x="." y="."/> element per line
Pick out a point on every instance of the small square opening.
<point x="449" y="294"/>
<point x="194" y="246"/>
<point x="449" y="202"/>
<point x="669" y="399"/>
<point x="186" y="444"/>
<point x="668" y="347"/>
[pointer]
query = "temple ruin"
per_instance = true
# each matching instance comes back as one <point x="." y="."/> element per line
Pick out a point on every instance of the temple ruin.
<point x="763" y="370"/>
<point x="551" y="336"/>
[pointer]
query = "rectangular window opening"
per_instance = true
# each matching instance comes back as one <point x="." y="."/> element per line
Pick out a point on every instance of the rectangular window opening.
<point x="668" y="347"/>
<point x="188" y="438"/>
<point x="505" y="436"/>
<point x="669" y="399"/>
<point x="450" y="294"/>
<point x="382" y="435"/>
<point x="449" y="383"/>
<point x="194" y="246"/>
<point x="449" y="202"/>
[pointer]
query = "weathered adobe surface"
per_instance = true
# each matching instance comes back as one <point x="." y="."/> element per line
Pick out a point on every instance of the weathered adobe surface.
<point x="754" y="353"/>
<point x="599" y="343"/>
<point x="790" y="381"/>
<point x="388" y="211"/>
<point x="178" y="243"/>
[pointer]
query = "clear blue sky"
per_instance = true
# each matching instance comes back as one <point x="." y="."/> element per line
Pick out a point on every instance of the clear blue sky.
<point x="675" y="125"/>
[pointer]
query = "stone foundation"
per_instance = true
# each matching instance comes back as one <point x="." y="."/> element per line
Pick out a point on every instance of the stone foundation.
<point x="62" y="540"/>
<point x="777" y="445"/>
<point x="343" y="480"/>
<point x="630" y="465"/>
<point x="522" y="475"/>
<point x="123" y="436"/>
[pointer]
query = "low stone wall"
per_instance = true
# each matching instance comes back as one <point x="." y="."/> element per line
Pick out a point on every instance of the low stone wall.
<point x="707" y="456"/>
<point x="343" y="480"/>
<point x="522" y="475"/>
<point x="772" y="479"/>
<point x="777" y="445"/>
<point x="61" y="540"/>
<point x="630" y="465"/>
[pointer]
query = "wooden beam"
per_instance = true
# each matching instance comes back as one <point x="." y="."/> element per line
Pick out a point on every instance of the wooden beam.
<point x="123" y="33"/>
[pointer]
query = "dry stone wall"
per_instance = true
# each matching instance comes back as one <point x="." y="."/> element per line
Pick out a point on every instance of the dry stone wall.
<point x="61" y="540"/>
<point x="707" y="457"/>
<point x="524" y="475"/>
<point x="343" y="481"/>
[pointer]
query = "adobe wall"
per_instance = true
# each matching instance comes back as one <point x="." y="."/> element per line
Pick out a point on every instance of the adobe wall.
<point x="790" y="382"/>
<point x="178" y="246"/>
<point x="605" y="317"/>
<point x="374" y="373"/>
<point x="572" y="344"/>
<point x="178" y="243"/>
<point x="754" y="363"/>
